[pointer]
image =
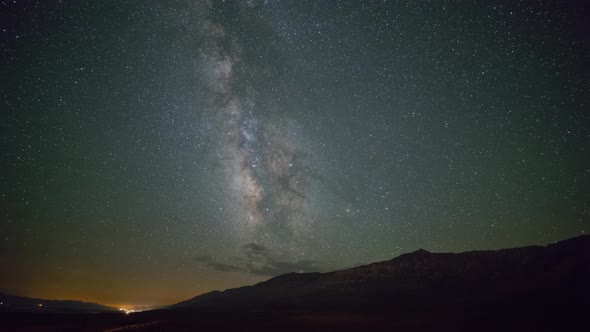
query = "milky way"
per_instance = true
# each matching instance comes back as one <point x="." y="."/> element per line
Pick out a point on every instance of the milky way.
<point x="155" y="151"/>
<point x="258" y="149"/>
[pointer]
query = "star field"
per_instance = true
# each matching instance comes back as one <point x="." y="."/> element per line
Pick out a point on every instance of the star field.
<point x="154" y="152"/>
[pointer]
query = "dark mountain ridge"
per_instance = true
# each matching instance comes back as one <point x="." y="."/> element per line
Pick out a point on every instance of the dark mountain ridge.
<point x="522" y="289"/>
<point x="554" y="273"/>
<point x="11" y="303"/>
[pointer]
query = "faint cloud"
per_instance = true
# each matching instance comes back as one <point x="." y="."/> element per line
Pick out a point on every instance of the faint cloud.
<point x="274" y="268"/>
<point x="264" y="262"/>
<point x="253" y="250"/>
<point x="225" y="267"/>
<point x="259" y="260"/>
<point x="203" y="259"/>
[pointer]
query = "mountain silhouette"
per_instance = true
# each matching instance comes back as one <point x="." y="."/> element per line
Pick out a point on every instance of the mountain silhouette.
<point x="11" y="303"/>
<point x="537" y="288"/>
<point x="555" y="273"/>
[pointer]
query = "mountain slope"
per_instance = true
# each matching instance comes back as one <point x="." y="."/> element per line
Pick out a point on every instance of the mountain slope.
<point x="10" y="303"/>
<point x="521" y="289"/>
<point x="536" y="275"/>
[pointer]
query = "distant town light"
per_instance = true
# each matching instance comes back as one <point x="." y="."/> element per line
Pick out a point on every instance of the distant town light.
<point x="126" y="311"/>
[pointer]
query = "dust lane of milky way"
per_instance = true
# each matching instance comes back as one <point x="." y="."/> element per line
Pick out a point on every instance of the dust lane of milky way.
<point x="153" y="152"/>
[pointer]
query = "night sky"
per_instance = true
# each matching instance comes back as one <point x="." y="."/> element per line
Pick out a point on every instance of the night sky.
<point x="156" y="150"/>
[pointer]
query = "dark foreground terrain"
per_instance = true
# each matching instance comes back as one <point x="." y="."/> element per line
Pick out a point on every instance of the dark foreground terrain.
<point x="15" y="304"/>
<point x="522" y="289"/>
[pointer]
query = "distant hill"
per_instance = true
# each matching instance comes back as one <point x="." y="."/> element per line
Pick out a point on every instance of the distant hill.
<point x="522" y="289"/>
<point x="10" y="303"/>
<point x="554" y="275"/>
